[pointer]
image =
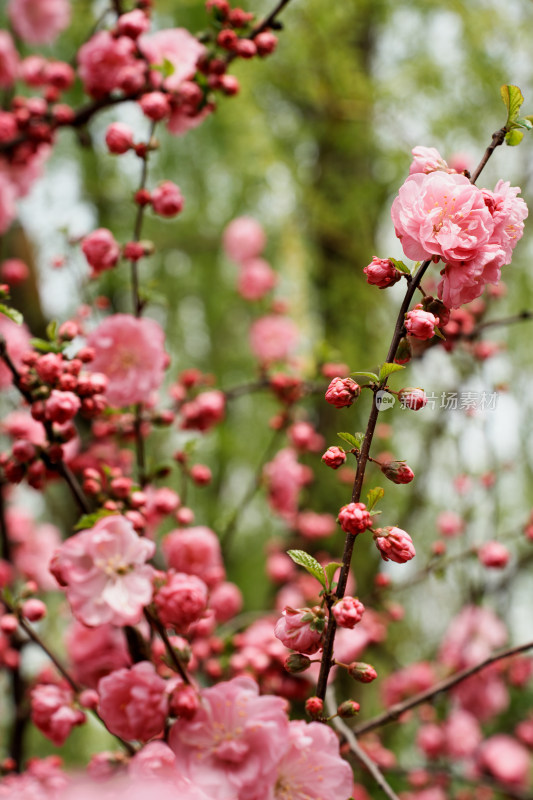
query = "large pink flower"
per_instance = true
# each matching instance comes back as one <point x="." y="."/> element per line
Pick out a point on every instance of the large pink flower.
<point x="105" y="63"/>
<point x="233" y="745"/>
<point x="179" y="47"/>
<point x="95" y="652"/>
<point x="312" y="767"/>
<point x="39" y="22"/>
<point x="130" y="352"/>
<point x="195" y="551"/>
<point x="53" y="712"/>
<point x="105" y="574"/>
<point x="133" y="702"/>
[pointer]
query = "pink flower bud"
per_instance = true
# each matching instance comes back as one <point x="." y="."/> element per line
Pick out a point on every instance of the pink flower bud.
<point x="494" y="555"/>
<point x="348" y="612"/>
<point x="394" y="545"/>
<point x="167" y="200"/>
<point x="14" y="271"/>
<point x="101" y="250"/>
<point x="133" y="24"/>
<point x="33" y="609"/>
<point x="184" y="701"/>
<point x="314" y="706"/>
<point x="334" y="457"/>
<point x="89" y="699"/>
<point x="155" y="105"/>
<point x="364" y="673"/>
<point x="354" y="518"/>
<point x="300" y="629"/>
<point x="420" y="324"/>
<point x="413" y="398"/>
<point x="119" y="138"/>
<point x="348" y="709"/>
<point x="8" y="623"/>
<point x="181" y="601"/>
<point x="342" y="392"/>
<point x="382" y="273"/>
<point x="265" y="43"/>
<point x="62" y="406"/>
<point x="200" y="474"/>
<point x="397" y="471"/>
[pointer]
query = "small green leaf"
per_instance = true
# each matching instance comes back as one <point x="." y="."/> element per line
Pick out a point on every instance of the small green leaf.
<point x="400" y="266"/>
<point x="374" y="496"/>
<point x="348" y="437"/>
<point x="439" y="334"/>
<point x="387" y="369"/>
<point x="12" y="314"/>
<point x="523" y="122"/>
<point x="90" y="520"/>
<point x="371" y="375"/>
<point x="514" y="137"/>
<point x="51" y="330"/>
<point x="513" y="99"/>
<point x="45" y="347"/>
<point x="330" y="570"/>
<point x="309" y="563"/>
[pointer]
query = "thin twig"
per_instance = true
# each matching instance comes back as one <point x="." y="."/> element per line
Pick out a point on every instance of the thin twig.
<point x="356" y="748"/>
<point x="157" y="626"/>
<point x="395" y="711"/>
<point x="268" y="20"/>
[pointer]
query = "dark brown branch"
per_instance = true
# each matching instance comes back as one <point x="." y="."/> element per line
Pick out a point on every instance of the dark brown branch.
<point x="157" y="626"/>
<point x="268" y="20"/>
<point x="497" y="139"/>
<point x="395" y="711"/>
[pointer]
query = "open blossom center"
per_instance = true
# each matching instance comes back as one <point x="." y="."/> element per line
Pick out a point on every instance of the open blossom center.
<point x="113" y="565"/>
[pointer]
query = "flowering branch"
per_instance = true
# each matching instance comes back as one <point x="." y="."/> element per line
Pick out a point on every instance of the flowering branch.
<point x="356" y="748"/>
<point x="395" y="711"/>
<point x="156" y="625"/>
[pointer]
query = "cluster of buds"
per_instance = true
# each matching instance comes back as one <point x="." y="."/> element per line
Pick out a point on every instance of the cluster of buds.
<point x="166" y="199"/>
<point x="235" y="35"/>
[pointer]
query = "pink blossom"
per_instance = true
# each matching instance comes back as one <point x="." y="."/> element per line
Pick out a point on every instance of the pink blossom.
<point x="61" y="407"/>
<point x="39" y="23"/>
<point x="133" y="702"/>
<point x="426" y="160"/>
<point x="421" y="324"/>
<point x="315" y="526"/>
<point x="133" y="24"/>
<point x="394" y="545"/>
<point x="449" y="523"/>
<point x="8" y="61"/>
<point x="181" y="120"/>
<point x="244" y="239"/>
<point x="382" y="273"/>
<point x="348" y="612"/>
<point x="101" y="250"/>
<point x="119" y="137"/>
<point x="130" y="353"/>
<point x="408" y="681"/>
<point x="430" y="739"/>
<point x="312" y="768"/>
<point x="284" y="477"/>
<point x="179" y="47"/>
<point x="181" y="600"/>
<point x="256" y="279"/>
<point x="471" y="637"/>
<point x="334" y="457"/>
<point x="53" y="713"/>
<point x="342" y="392"/>
<point x="300" y="629"/>
<point x="167" y="199"/>
<point x="508" y="213"/>
<point x="33" y="546"/>
<point x="462" y="734"/>
<point x="273" y="338"/>
<point x="105" y="62"/>
<point x="195" y="551"/>
<point x="95" y="652"/>
<point x="354" y="518"/>
<point x="494" y="555"/>
<point x="205" y="411"/>
<point x="105" y="574"/>
<point x="233" y="745"/>
<point x="14" y="271"/>
<point x="505" y="759"/>
<point x="226" y="601"/>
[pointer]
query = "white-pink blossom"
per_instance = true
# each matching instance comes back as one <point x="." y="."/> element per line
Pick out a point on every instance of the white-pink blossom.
<point x="39" y="22"/>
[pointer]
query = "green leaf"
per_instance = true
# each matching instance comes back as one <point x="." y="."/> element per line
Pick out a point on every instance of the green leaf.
<point x="90" y="520"/>
<point x="46" y="347"/>
<point x="514" y="137"/>
<point x="330" y="570"/>
<point x="400" y="266"/>
<point x="523" y="122"/>
<point x="12" y="313"/>
<point x="439" y="334"/>
<point x="371" y="375"/>
<point x="51" y="330"/>
<point x="387" y="369"/>
<point x="374" y="496"/>
<point x="348" y="437"/>
<point x="309" y="563"/>
<point x="513" y="99"/>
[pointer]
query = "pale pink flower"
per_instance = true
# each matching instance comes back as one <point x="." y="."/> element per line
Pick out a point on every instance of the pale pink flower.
<point x="195" y="551"/>
<point x="39" y="22"/>
<point x="95" y="652"/>
<point x="128" y="788"/>
<point x="105" y="574"/>
<point x="256" y="279"/>
<point x="133" y="702"/>
<point x="312" y="768"/>
<point x="130" y="353"/>
<point x="243" y="239"/>
<point x="315" y="526"/>
<point x="105" y="62"/>
<point x="426" y="160"/>
<point x="52" y="711"/>
<point x="300" y="629"/>
<point x="508" y="213"/>
<point x="179" y="47"/>
<point x="181" y="600"/>
<point x="8" y="61"/>
<point x="273" y="338"/>
<point x="506" y="760"/>
<point x="394" y="544"/>
<point x="284" y="477"/>
<point x="233" y="745"/>
<point x="462" y="734"/>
